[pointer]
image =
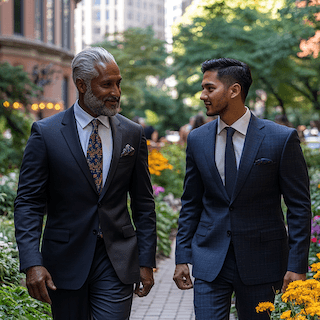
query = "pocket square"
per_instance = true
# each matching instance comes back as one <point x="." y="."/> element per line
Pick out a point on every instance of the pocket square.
<point x="127" y="151"/>
<point x="263" y="161"/>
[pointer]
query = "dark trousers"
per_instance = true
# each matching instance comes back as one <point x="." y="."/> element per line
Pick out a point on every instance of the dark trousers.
<point x="102" y="297"/>
<point x="212" y="300"/>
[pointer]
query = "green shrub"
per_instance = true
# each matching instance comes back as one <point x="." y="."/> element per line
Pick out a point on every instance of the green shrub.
<point x="172" y="180"/>
<point x="16" y="304"/>
<point x="167" y="220"/>
<point x="8" y="192"/>
<point x="312" y="156"/>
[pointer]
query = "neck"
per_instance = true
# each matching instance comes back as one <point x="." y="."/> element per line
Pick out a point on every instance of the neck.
<point x="236" y="113"/>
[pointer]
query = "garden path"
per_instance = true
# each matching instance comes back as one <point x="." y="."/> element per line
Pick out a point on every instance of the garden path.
<point x="165" y="301"/>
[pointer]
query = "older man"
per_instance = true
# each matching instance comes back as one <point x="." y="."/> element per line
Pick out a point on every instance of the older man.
<point x="78" y="168"/>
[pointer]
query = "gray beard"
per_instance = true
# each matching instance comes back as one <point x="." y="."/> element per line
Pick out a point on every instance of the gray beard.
<point x="97" y="106"/>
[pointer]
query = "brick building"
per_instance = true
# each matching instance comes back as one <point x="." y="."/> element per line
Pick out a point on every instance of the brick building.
<point x="39" y="35"/>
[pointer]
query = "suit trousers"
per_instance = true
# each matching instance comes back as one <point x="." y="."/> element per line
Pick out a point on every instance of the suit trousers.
<point x="102" y="297"/>
<point x="212" y="300"/>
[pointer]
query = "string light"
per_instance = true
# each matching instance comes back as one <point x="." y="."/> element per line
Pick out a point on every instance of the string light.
<point x="34" y="106"/>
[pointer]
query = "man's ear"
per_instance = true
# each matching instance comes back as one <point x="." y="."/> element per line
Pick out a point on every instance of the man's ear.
<point x="235" y="90"/>
<point x="81" y="86"/>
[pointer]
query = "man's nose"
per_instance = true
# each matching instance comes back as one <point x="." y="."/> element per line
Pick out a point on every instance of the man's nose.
<point x="203" y="96"/>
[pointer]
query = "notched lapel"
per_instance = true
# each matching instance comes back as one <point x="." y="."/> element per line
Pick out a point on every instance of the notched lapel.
<point x="254" y="138"/>
<point x="70" y="134"/>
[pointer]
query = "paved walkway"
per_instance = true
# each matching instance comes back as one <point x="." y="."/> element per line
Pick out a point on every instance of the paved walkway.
<point x="165" y="301"/>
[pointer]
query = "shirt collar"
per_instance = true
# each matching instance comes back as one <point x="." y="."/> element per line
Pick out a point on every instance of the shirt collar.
<point x="241" y="125"/>
<point x="84" y="118"/>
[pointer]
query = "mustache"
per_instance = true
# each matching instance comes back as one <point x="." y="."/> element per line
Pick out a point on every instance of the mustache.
<point x="112" y="99"/>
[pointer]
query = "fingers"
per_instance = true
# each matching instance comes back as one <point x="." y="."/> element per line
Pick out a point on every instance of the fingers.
<point x="290" y="277"/>
<point x="38" y="278"/>
<point x="147" y="282"/>
<point x="182" y="277"/>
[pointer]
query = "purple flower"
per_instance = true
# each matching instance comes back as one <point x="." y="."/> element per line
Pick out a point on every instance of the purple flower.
<point x="157" y="190"/>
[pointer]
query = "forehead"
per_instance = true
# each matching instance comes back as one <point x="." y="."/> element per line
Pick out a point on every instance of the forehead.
<point x="109" y="71"/>
<point x="211" y="77"/>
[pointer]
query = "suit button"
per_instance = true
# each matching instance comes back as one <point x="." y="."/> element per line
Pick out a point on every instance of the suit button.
<point x="231" y="208"/>
<point x="99" y="205"/>
<point x="95" y="232"/>
<point x="229" y="233"/>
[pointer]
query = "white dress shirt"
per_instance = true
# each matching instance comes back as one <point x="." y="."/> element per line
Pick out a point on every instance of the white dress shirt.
<point x="241" y="127"/>
<point x="85" y="128"/>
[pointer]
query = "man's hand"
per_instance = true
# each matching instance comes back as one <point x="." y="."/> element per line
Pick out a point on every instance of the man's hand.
<point x="291" y="276"/>
<point x="146" y="278"/>
<point x="38" y="279"/>
<point x="182" y="277"/>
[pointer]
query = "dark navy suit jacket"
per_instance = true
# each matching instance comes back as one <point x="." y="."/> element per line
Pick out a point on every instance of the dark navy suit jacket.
<point x="55" y="179"/>
<point x="271" y="166"/>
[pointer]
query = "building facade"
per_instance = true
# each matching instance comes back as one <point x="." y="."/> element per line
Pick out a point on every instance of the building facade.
<point x="95" y="18"/>
<point x="39" y="35"/>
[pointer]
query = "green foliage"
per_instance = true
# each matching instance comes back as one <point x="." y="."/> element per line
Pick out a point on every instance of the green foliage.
<point x="15" y="85"/>
<point x="16" y="304"/>
<point x="167" y="220"/>
<point x="8" y="192"/>
<point x="172" y="180"/>
<point x="266" y="41"/>
<point x="312" y="157"/>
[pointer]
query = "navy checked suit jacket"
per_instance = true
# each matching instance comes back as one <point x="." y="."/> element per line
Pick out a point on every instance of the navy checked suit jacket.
<point x="271" y="166"/>
<point x="55" y="179"/>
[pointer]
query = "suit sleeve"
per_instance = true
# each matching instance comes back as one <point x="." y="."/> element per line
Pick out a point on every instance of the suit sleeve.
<point x="143" y="207"/>
<point x="191" y="208"/>
<point x="30" y="202"/>
<point x="294" y="183"/>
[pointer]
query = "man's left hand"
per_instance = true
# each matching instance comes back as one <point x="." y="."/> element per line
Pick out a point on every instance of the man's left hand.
<point x="291" y="276"/>
<point x="146" y="278"/>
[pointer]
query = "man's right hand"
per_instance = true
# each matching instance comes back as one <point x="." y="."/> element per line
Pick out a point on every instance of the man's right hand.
<point x="38" y="279"/>
<point x="182" y="277"/>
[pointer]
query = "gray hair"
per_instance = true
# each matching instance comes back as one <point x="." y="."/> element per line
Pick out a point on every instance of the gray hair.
<point x="84" y="62"/>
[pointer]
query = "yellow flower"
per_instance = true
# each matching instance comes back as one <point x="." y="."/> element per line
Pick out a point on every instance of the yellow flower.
<point x="264" y="306"/>
<point x="286" y="315"/>
<point x="157" y="162"/>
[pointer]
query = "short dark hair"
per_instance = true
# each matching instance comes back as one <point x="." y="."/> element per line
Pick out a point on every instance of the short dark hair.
<point x="229" y="72"/>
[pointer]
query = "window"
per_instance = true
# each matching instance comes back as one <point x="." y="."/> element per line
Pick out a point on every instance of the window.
<point x="18" y="17"/>
<point x="96" y="30"/>
<point x="130" y="2"/>
<point x="96" y="15"/>
<point x="138" y="3"/>
<point x="115" y="14"/>
<point x="50" y="21"/>
<point x="107" y="15"/>
<point x="96" y="2"/>
<point x="107" y="2"/>
<point x="145" y="5"/>
<point x="38" y="19"/>
<point x="138" y="17"/>
<point x="115" y="2"/>
<point x="130" y="15"/>
<point x="65" y="24"/>
<point x="160" y="21"/>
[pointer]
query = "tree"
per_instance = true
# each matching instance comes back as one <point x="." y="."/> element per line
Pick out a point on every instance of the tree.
<point x="15" y="86"/>
<point x="142" y="61"/>
<point x="268" y="41"/>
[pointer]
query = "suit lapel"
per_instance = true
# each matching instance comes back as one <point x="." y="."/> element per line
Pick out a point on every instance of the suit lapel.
<point x="70" y="134"/>
<point x="252" y="143"/>
<point x="211" y="158"/>
<point x="117" y="143"/>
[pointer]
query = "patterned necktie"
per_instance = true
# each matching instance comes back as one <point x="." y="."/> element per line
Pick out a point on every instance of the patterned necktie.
<point x="94" y="155"/>
<point x="230" y="168"/>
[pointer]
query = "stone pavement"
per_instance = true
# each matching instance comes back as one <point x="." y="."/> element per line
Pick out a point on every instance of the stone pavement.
<point x="165" y="301"/>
